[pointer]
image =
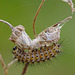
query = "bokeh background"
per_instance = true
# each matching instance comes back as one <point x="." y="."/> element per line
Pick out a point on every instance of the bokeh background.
<point x="22" y="12"/>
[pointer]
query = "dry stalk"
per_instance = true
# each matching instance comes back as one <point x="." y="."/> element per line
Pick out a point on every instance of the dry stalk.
<point x="71" y="4"/>
<point x="67" y="19"/>
<point x="25" y="68"/>
<point x="4" y="66"/>
<point x="36" y="17"/>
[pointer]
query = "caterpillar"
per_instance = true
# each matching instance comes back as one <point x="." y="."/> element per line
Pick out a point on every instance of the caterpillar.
<point x="37" y="55"/>
<point x="44" y="46"/>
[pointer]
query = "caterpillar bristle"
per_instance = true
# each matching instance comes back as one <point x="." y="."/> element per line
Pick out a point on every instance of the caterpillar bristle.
<point x="37" y="55"/>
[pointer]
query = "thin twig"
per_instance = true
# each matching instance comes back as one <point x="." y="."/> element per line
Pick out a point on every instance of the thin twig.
<point x="11" y="63"/>
<point x="2" y="62"/>
<point x="36" y="17"/>
<point x="25" y="68"/>
<point x="6" y="67"/>
<point x="68" y="18"/>
<point x="7" y="24"/>
<point x="71" y="4"/>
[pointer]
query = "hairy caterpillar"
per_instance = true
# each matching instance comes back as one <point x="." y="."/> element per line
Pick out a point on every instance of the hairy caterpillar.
<point x="46" y="41"/>
<point x="36" y="55"/>
<point x="44" y="46"/>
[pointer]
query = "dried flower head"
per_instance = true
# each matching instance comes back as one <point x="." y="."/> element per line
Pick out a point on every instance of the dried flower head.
<point x="71" y="4"/>
<point x="46" y="37"/>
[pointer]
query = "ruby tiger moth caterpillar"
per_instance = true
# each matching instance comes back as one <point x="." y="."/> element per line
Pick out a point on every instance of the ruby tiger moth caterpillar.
<point x="36" y="55"/>
<point x="42" y="50"/>
<point x="44" y="46"/>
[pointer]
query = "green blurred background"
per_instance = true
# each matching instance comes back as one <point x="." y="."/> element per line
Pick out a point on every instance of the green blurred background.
<point x="22" y="12"/>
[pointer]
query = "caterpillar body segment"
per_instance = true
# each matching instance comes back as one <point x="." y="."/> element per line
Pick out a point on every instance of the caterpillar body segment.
<point x="36" y="55"/>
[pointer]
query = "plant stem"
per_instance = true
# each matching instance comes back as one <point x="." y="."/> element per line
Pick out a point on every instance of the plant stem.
<point x="25" y="69"/>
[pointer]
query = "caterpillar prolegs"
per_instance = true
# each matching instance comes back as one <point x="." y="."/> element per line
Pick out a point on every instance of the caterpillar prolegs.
<point x="36" y="55"/>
